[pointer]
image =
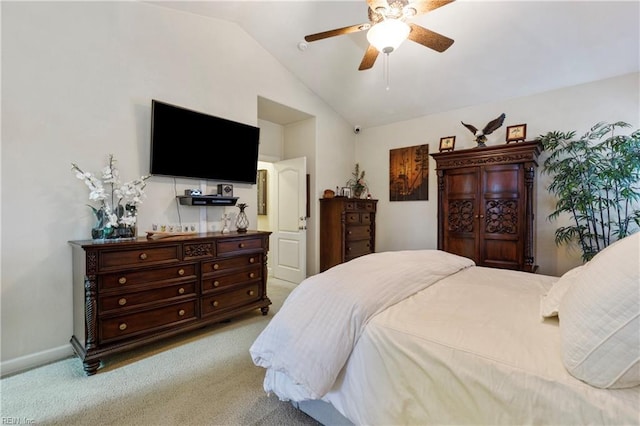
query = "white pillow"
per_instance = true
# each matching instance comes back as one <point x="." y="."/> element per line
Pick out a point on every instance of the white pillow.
<point x="600" y="318"/>
<point x="550" y="302"/>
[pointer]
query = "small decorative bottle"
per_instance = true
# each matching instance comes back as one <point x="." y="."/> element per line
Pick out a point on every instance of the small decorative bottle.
<point x="242" y="221"/>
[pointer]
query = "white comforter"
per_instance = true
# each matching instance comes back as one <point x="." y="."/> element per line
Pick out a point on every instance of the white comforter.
<point x="302" y="342"/>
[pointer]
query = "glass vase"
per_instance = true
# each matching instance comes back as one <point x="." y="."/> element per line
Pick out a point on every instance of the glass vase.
<point x="242" y="221"/>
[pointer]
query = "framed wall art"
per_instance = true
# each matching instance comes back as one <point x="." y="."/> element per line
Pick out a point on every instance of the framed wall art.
<point x="409" y="173"/>
<point x="447" y="144"/>
<point x="516" y="133"/>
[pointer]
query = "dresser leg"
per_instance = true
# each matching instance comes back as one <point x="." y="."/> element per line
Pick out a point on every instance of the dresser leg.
<point x="90" y="367"/>
<point x="265" y="310"/>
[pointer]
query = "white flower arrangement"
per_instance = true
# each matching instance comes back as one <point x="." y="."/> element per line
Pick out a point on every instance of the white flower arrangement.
<point x="118" y="201"/>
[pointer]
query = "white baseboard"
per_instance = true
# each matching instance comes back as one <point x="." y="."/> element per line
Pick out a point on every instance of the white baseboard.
<point x="38" y="359"/>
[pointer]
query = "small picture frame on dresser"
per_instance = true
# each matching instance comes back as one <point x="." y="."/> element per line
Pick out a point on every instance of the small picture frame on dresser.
<point x="345" y="192"/>
<point x="447" y="143"/>
<point x="516" y="133"/>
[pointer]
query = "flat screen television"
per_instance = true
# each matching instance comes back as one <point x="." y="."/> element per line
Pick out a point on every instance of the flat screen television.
<point x="191" y="144"/>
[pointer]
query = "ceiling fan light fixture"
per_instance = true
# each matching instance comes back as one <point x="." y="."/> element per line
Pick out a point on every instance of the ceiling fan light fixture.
<point x="387" y="35"/>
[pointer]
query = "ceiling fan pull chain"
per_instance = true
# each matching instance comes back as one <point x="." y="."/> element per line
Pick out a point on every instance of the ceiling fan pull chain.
<point x="386" y="70"/>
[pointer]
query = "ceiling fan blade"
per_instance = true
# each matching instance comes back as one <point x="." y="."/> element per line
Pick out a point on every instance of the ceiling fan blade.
<point x="369" y="58"/>
<point x="337" y="32"/>
<point x="428" y="38"/>
<point x="374" y="4"/>
<point x="424" y="6"/>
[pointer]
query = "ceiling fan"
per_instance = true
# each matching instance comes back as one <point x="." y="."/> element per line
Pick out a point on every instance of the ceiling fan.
<point x="388" y="28"/>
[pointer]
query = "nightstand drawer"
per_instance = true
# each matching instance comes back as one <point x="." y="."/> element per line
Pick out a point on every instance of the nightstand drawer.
<point x="221" y="265"/>
<point x="127" y="301"/>
<point x="146" y="321"/>
<point x="230" y="299"/>
<point x="130" y="278"/>
<point x="139" y="257"/>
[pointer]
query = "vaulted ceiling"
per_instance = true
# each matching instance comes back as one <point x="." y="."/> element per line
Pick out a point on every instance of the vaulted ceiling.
<point x="502" y="50"/>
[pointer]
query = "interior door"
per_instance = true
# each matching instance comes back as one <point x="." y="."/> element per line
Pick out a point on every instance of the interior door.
<point x="290" y="233"/>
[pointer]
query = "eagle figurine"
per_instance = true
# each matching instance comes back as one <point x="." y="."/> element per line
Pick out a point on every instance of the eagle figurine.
<point x="491" y="126"/>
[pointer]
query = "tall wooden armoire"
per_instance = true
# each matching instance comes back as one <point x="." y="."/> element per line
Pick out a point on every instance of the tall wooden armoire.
<point x="486" y="204"/>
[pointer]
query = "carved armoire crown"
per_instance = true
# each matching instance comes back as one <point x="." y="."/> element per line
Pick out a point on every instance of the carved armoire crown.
<point x="486" y="204"/>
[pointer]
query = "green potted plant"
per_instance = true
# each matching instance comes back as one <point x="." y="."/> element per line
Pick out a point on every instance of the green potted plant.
<point x="596" y="179"/>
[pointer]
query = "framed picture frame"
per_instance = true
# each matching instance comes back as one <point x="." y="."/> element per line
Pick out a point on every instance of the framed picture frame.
<point x="409" y="173"/>
<point x="345" y="192"/>
<point x="516" y="133"/>
<point x="447" y="143"/>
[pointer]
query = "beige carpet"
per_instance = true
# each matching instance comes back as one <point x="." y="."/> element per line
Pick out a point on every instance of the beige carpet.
<point x="203" y="378"/>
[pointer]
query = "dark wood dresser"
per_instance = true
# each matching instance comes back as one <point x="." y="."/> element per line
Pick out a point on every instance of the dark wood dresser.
<point x="486" y="204"/>
<point x="347" y="229"/>
<point x="130" y="293"/>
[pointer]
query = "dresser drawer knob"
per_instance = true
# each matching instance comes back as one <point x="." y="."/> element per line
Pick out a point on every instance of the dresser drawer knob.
<point x="349" y="232"/>
<point x="241" y="245"/>
<point x="143" y="256"/>
<point x="181" y="312"/>
<point x="181" y="290"/>
<point x="181" y="272"/>
<point x="252" y="275"/>
<point x="251" y="292"/>
<point x="216" y="283"/>
<point x="252" y="260"/>
<point x="216" y="267"/>
<point x="122" y="302"/>
<point x="123" y="326"/>
<point x="214" y="303"/>
<point x="122" y="280"/>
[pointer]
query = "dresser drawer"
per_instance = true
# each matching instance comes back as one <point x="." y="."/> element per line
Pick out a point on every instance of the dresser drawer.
<point x="127" y="301"/>
<point x="352" y="218"/>
<point x="147" y="321"/>
<point x="238" y="245"/>
<point x="358" y="218"/>
<point x="134" y="277"/>
<point x="361" y="205"/>
<point x="139" y="257"/>
<point x="223" y="301"/>
<point x="358" y="233"/>
<point x="221" y="265"/>
<point x="221" y="281"/>
<point x="358" y="248"/>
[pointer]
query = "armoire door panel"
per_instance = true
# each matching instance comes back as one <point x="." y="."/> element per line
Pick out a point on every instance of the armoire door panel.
<point x="502" y="179"/>
<point x="462" y="245"/>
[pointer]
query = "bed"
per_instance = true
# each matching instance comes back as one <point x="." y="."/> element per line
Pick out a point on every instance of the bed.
<point x="426" y="337"/>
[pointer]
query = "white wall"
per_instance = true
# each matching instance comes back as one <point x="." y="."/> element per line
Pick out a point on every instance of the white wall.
<point x="77" y="84"/>
<point x="412" y="224"/>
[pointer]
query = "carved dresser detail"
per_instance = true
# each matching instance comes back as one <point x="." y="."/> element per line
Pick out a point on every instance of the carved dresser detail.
<point x="127" y="294"/>
<point x="486" y="204"/>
